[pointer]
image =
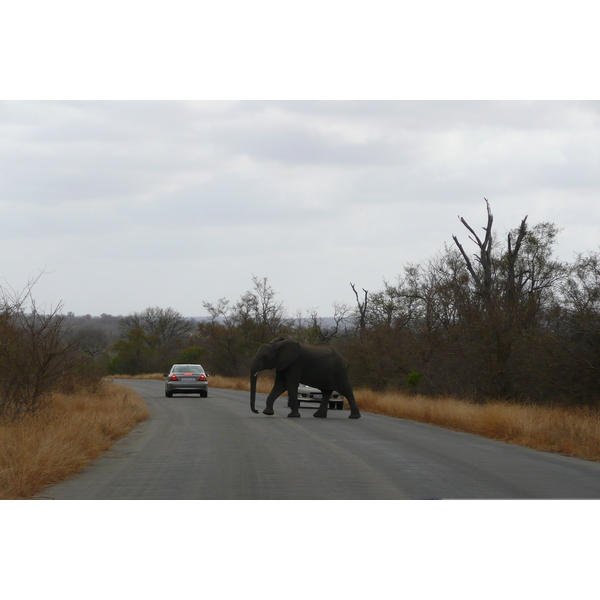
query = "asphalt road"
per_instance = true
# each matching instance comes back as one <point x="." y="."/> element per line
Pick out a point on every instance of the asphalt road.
<point x="215" y="448"/>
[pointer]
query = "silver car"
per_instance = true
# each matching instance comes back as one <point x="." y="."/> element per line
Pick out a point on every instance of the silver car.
<point x="311" y="394"/>
<point x="186" y="379"/>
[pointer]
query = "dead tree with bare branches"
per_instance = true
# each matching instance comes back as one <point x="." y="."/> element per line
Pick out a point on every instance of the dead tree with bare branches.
<point x="507" y="307"/>
<point x="362" y="307"/>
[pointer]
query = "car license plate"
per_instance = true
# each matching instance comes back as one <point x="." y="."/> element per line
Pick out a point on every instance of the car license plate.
<point x="188" y="379"/>
<point x="317" y="396"/>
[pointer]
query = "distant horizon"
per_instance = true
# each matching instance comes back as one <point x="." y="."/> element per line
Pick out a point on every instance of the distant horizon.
<point x="204" y="318"/>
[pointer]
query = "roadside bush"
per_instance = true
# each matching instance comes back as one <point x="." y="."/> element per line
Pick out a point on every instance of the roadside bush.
<point x="36" y="354"/>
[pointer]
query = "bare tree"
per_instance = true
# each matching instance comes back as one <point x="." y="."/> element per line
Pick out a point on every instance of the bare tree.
<point x="166" y="324"/>
<point x="236" y="329"/>
<point x="269" y="313"/>
<point x="340" y="318"/>
<point x="512" y="284"/>
<point x="482" y="277"/>
<point x="35" y="351"/>
<point x="92" y="342"/>
<point x="362" y="307"/>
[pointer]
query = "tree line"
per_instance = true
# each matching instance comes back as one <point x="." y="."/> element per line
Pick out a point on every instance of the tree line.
<point x="487" y="317"/>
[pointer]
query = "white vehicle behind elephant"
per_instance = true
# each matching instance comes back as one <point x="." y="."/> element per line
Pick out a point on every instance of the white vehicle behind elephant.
<point x="312" y="394"/>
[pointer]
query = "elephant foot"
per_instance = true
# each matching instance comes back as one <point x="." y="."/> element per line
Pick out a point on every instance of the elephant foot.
<point x="320" y="414"/>
<point x="354" y="416"/>
<point x="268" y="411"/>
<point x="294" y="414"/>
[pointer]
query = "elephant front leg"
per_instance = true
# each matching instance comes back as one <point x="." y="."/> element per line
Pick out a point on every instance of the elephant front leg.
<point x="322" y="410"/>
<point x="277" y="390"/>
<point x="293" y="398"/>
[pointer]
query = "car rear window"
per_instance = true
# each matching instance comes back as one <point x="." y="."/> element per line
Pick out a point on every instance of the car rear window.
<point x="188" y="369"/>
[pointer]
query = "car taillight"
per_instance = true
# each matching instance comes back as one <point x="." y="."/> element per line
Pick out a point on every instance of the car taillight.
<point x="202" y="378"/>
<point x="173" y="378"/>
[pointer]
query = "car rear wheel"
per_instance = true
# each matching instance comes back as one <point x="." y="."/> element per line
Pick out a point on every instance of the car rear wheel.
<point x="340" y="405"/>
<point x="168" y="394"/>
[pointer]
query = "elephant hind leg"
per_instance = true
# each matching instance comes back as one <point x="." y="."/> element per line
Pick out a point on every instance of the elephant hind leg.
<point x="345" y="388"/>
<point x="354" y="412"/>
<point x="322" y="410"/>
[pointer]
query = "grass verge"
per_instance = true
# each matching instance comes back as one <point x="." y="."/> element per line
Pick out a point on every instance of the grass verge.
<point x="573" y="432"/>
<point x="72" y="431"/>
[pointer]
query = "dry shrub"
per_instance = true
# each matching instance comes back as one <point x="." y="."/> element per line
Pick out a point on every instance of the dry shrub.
<point x="35" y="352"/>
<point x="70" y="432"/>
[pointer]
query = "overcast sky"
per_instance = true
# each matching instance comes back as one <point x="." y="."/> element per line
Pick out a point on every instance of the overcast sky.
<point x="130" y="204"/>
<point x="126" y="203"/>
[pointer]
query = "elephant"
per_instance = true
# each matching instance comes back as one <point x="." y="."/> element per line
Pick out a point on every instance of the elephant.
<point x="317" y="365"/>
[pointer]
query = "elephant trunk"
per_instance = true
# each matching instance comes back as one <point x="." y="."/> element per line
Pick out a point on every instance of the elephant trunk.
<point x="253" y="379"/>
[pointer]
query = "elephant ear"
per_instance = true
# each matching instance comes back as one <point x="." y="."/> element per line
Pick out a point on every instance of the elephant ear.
<point x="287" y="352"/>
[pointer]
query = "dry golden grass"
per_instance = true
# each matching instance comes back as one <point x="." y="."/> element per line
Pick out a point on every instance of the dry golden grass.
<point x="71" y="432"/>
<point x="263" y="385"/>
<point x="574" y="432"/>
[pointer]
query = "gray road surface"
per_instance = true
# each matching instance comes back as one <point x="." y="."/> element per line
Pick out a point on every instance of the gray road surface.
<point x="215" y="448"/>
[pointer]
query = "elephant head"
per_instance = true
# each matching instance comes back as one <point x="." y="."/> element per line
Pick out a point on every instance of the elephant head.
<point x="278" y="354"/>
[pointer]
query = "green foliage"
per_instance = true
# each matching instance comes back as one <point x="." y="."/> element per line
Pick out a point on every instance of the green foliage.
<point x="191" y="355"/>
<point x="151" y="341"/>
<point x="133" y="355"/>
<point x="413" y="379"/>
